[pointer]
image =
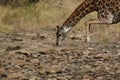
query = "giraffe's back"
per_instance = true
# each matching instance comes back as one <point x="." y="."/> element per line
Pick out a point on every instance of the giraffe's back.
<point x="109" y="6"/>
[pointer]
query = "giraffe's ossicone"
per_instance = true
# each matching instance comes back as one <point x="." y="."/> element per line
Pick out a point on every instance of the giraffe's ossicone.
<point x="108" y="12"/>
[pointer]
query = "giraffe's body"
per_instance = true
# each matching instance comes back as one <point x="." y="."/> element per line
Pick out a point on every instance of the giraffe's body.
<point x="108" y="12"/>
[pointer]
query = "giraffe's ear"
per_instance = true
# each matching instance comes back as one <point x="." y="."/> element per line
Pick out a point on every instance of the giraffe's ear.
<point x="57" y="27"/>
<point x="57" y="31"/>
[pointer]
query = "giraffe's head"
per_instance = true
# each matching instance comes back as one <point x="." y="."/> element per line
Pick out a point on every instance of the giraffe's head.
<point x="60" y="35"/>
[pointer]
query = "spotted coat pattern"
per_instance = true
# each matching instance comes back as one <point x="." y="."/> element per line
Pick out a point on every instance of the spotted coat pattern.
<point x="108" y="12"/>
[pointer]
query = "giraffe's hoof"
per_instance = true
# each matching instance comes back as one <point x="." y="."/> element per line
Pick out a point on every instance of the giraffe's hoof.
<point x="88" y="39"/>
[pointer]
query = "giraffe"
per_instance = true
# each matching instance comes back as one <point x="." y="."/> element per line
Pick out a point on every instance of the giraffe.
<point x="108" y="12"/>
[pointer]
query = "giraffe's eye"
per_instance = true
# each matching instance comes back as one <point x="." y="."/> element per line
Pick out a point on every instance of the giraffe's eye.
<point x="59" y="34"/>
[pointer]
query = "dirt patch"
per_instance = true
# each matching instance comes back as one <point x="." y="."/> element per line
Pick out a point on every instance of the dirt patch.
<point x="31" y="57"/>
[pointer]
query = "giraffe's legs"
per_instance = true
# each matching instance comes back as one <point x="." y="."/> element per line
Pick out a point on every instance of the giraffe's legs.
<point x="93" y="21"/>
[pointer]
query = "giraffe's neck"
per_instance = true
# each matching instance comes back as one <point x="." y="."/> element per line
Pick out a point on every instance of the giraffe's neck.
<point x="86" y="7"/>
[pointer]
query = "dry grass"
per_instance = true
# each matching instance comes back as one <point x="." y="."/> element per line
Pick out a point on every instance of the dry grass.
<point x="44" y="14"/>
<point x="31" y="18"/>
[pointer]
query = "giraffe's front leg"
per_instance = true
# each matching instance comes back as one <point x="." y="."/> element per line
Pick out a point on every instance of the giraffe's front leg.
<point x="94" y="21"/>
<point x="88" y="26"/>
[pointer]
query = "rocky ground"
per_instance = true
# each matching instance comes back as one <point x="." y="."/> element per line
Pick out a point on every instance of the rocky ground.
<point x="27" y="57"/>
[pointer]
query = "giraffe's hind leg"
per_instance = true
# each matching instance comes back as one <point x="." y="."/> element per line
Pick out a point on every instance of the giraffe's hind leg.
<point x="93" y="21"/>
